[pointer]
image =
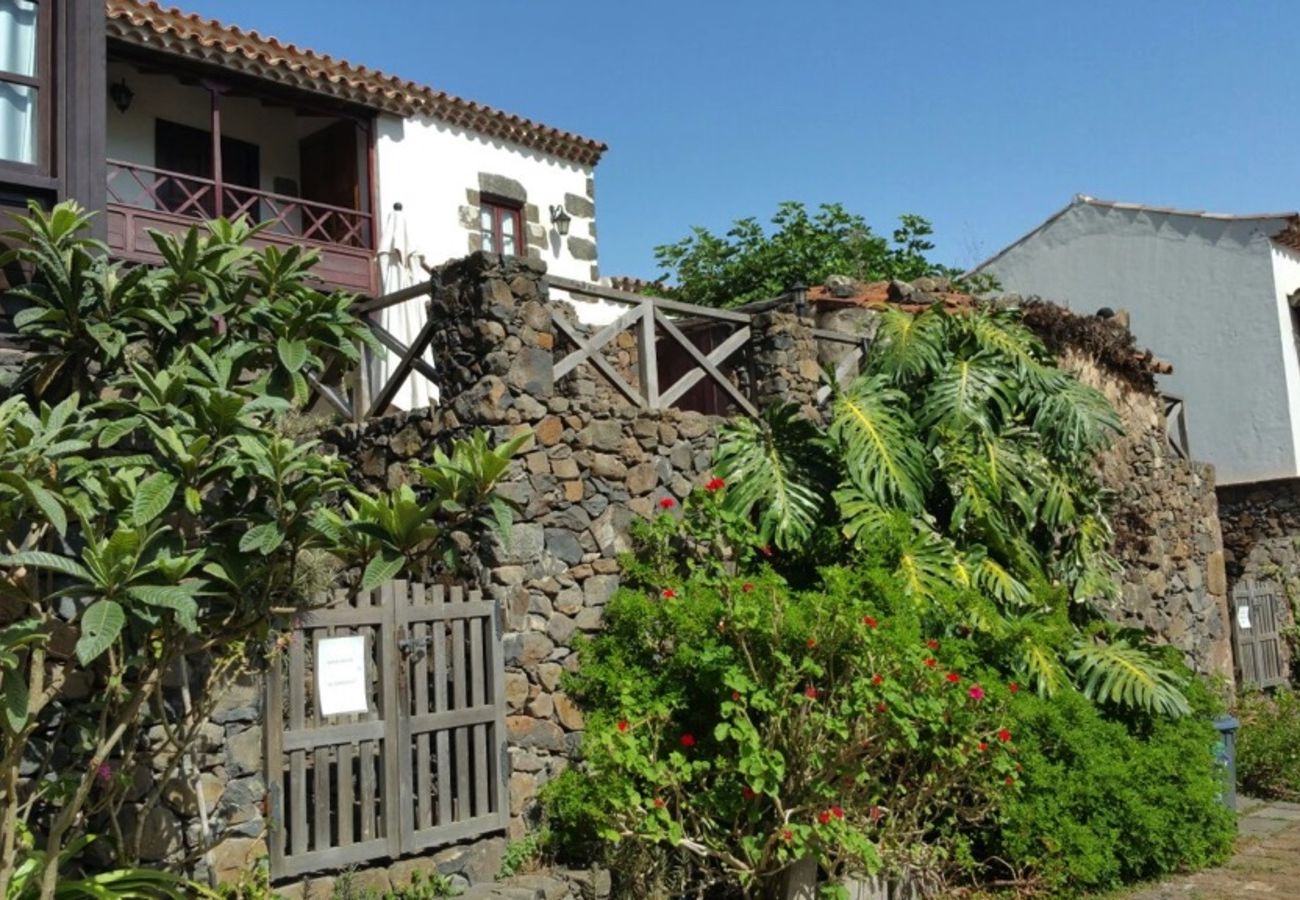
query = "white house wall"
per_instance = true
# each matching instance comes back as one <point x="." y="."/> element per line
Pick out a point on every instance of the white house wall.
<point x="1201" y="293"/>
<point x="1286" y="281"/>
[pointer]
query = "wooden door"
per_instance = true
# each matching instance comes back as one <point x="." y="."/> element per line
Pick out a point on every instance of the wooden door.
<point x="1257" y="617"/>
<point x="188" y="151"/>
<point x="328" y="171"/>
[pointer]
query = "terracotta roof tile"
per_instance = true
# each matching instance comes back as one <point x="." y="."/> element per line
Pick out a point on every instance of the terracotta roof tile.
<point x="147" y="24"/>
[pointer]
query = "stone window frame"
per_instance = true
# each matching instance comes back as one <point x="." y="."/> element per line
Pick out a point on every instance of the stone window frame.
<point x="500" y="190"/>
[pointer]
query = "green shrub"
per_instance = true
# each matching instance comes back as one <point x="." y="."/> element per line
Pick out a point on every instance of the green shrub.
<point x="1105" y="803"/>
<point x="752" y="724"/>
<point x="1268" y="744"/>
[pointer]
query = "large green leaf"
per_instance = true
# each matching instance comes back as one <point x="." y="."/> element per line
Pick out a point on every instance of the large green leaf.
<point x="152" y="497"/>
<point x="178" y="598"/>
<point x="15" y="699"/>
<point x="878" y="442"/>
<point x="293" y="354"/>
<point x="101" y="623"/>
<point x="381" y="569"/>
<point x="39" y="559"/>
<point x="264" y="538"/>
<point x="1120" y="673"/>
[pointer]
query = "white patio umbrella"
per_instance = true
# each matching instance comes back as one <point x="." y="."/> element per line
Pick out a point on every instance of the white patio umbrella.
<point x="399" y="267"/>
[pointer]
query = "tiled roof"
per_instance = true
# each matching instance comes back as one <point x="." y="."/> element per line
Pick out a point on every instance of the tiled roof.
<point x="149" y="25"/>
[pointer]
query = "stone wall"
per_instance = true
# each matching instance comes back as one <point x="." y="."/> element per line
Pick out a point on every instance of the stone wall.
<point x="1261" y="536"/>
<point x="1166" y="520"/>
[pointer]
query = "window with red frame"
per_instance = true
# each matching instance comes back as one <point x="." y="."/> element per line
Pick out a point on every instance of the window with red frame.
<point x="502" y="227"/>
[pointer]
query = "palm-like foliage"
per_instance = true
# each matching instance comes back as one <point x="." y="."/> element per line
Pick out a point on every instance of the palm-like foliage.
<point x="970" y="453"/>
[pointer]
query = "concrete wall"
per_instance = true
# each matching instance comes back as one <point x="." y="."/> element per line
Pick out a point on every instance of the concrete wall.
<point x="1202" y="294"/>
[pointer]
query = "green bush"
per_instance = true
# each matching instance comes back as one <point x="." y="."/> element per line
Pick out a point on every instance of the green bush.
<point x="1104" y="803"/>
<point x="1268" y="745"/>
<point x="752" y="724"/>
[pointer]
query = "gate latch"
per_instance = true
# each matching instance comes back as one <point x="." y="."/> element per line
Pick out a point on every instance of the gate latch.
<point x="406" y="645"/>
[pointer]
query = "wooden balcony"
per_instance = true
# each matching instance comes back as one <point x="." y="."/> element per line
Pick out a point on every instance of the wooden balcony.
<point x="141" y="197"/>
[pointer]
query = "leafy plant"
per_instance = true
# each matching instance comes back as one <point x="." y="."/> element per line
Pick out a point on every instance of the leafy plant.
<point x="750" y="724"/>
<point x="1268" y="744"/>
<point x="1103" y="804"/>
<point x="752" y="263"/>
<point x="152" y="509"/>
<point x="964" y="456"/>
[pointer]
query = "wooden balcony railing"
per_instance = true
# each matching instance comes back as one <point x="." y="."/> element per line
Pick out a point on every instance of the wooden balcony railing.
<point x="142" y="197"/>
<point x="195" y="197"/>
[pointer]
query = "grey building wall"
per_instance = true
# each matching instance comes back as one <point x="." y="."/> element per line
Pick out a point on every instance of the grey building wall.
<point x="1202" y="295"/>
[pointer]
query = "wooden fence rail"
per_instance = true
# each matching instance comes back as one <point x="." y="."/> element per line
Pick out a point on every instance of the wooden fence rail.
<point x="424" y="764"/>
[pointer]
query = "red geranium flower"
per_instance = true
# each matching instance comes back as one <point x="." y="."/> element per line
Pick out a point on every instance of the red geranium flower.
<point x="1004" y="735"/>
<point x="715" y="484"/>
<point x="876" y="679"/>
<point x="659" y="804"/>
<point x="1014" y="687"/>
<point x="688" y="740"/>
<point x="976" y="692"/>
<point x="811" y="642"/>
<point x="837" y="812"/>
<point x="869" y="621"/>
<point x="824" y="816"/>
<point x="930" y="662"/>
<point x="932" y="644"/>
<point x="748" y="792"/>
<point x="984" y="745"/>
<point x="810" y="692"/>
<point x="735" y="696"/>
<point x="667" y="503"/>
<point x="881" y="707"/>
<point x="668" y="593"/>
<point x="766" y="549"/>
<point x="1010" y="780"/>
<point x="747" y="586"/>
<point x="787" y="835"/>
<point x="952" y="678"/>
<point x="622" y="725"/>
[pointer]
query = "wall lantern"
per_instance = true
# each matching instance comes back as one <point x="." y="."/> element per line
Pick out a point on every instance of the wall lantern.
<point x="799" y="292"/>
<point x="121" y="95"/>
<point x="560" y="219"/>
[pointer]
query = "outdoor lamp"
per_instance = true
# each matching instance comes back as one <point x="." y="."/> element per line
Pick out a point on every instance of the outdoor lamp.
<point x="800" y="292"/>
<point x="121" y="95"/>
<point x="560" y="219"/>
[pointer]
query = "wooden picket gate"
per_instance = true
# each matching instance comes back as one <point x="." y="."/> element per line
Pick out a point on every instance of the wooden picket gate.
<point x="1257" y="617"/>
<point x="424" y="765"/>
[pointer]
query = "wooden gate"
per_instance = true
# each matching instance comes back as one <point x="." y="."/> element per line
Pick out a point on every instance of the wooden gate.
<point x="1257" y="616"/>
<point x="424" y="765"/>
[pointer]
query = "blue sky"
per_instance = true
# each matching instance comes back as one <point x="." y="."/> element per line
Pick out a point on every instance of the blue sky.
<point x="983" y="115"/>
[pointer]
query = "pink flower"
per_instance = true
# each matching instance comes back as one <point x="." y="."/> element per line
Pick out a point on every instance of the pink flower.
<point x="976" y="692"/>
<point x="104" y="772"/>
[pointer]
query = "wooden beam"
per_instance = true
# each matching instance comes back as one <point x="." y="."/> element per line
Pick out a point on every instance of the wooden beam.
<point x="587" y="348"/>
<point x="425" y="289"/>
<point x="647" y="355"/>
<point x="584" y="352"/>
<point x="716" y="357"/>
<point x="629" y="299"/>
<point x="708" y="365"/>
<point x="392" y="343"/>
<point x="394" y="384"/>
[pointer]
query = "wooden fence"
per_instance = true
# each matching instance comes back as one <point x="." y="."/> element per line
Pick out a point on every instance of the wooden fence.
<point x="687" y="356"/>
<point x="423" y="764"/>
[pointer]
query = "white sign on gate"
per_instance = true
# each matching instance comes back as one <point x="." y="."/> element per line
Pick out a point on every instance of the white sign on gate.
<point x="341" y="675"/>
<point x="1243" y="617"/>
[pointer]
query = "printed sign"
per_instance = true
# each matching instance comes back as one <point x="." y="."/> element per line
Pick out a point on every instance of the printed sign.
<point x="341" y="675"/>
<point x="1243" y="616"/>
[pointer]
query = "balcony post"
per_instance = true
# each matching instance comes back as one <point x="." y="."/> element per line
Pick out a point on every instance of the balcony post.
<point x="215" y="90"/>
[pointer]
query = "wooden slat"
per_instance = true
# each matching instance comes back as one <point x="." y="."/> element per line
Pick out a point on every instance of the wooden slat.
<point x="456" y="831"/>
<point x="704" y="362"/>
<point x="401" y="754"/>
<point x="367" y="797"/>
<point x="344" y="615"/>
<point x="500" y="759"/>
<point x="332" y="735"/>
<point x="321" y="757"/>
<point x="423" y="771"/>
<point x="390" y="659"/>
<point x="298" y="758"/>
<point x="473" y="609"/>
<point x="442" y="745"/>
<point x="715" y="358"/>
<point x="424" y="289"/>
<point x="458" y="690"/>
<point x="589" y="351"/>
<point x="477" y="695"/>
<point x="647" y="355"/>
<point x="274" y="725"/>
<point x="389" y="340"/>
<point x="398" y="377"/>
<point x="335" y="857"/>
<point x="582" y="288"/>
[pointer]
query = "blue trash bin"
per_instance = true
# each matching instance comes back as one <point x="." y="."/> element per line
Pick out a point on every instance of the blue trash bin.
<point x="1225" y="752"/>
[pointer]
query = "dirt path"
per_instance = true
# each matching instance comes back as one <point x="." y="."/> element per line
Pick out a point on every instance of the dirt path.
<point x="1266" y="863"/>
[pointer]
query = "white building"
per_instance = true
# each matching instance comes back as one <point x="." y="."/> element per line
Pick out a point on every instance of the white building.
<point x="1211" y="293"/>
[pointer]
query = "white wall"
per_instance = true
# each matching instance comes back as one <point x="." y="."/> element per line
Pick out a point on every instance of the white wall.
<point x="1286" y="281"/>
<point x="1202" y="295"/>
<point x="427" y="166"/>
